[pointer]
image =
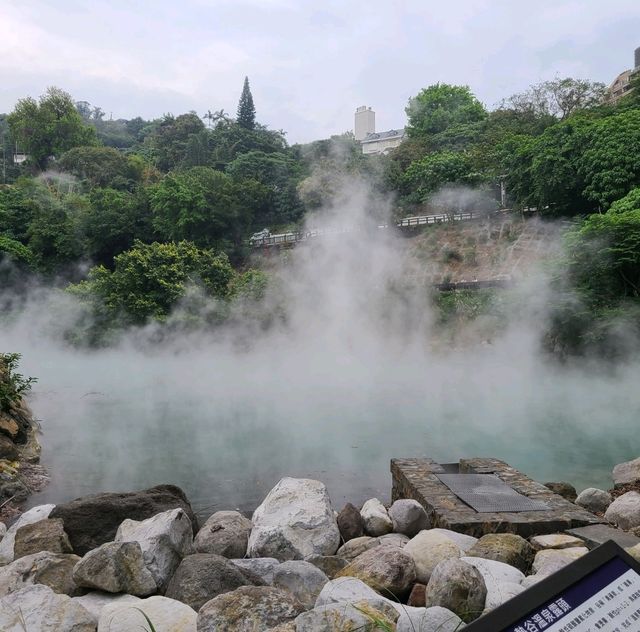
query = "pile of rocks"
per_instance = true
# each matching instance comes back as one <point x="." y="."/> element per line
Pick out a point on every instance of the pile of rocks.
<point x="119" y="561"/>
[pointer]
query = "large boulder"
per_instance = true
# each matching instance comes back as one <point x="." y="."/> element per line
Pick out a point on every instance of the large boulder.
<point x="364" y="616"/>
<point x="387" y="569"/>
<point x="500" y="593"/>
<point x="627" y="472"/>
<point x="116" y="567"/>
<point x="224" y="533"/>
<point x="34" y="514"/>
<point x="457" y="586"/>
<point x="44" y="535"/>
<point x="434" y="619"/>
<point x="463" y="541"/>
<point x="375" y="518"/>
<point x="302" y="579"/>
<point x="248" y="609"/>
<point x="594" y="500"/>
<point x="96" y="602"/>
<point x="93" y="520"/>
<point x="330" y="565"/>
<point x="502" y="581"/>
<point x="294" y="521"/>
<point x="164" y="539"/>
<point x="38" y="609"/>
<point x="54" y="570"/>
<point x="203" y="576"/>
<point x="428" y="549"/>
<point x="350" y="523"/>
<point x="408" y="517"/>
<point x="624" y="511"/>
<point x="551" y="560"/>
<point x="504" y="547"/>
<point x="555" y="541"/>
<point x="262" y="567"/>
<point x="165" y="614"/>
<point x="564" y="489"/>
<point x="344" y="589"/>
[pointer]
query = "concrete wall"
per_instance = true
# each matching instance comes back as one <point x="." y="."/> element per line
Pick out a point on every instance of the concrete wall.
<point x="365" y="122"/>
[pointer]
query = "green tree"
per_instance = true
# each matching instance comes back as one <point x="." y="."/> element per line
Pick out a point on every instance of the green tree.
<point x="246" y="116"/>
<point x="440" y="106"/>
<point x="170" y="139"/>
<point x="49" y="127"/>
<point x="148" y="280"/>
<point x="101" y="166"/>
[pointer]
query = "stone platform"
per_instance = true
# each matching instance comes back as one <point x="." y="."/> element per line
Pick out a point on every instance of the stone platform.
<point x="416" y="479"/>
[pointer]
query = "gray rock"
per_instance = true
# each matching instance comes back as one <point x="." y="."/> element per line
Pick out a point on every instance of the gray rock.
<point x="555" y="541"/>
<point x="38" y="609"/>
<point x="166" y="615"/>
<point x="408" y="517"/>
<point x="3" y="530"/>
<point x="387" y="569"/>
<point x="54" y="570"/>
<point x="500" y="592"/>
<point x="28" y="517"/>
<point x="457" y="586"/>
<point x="302" y="579"/>
<point x="351" y="549"/>
<point x="44" y="535"/>
<point x="224" y="533"/>
<point x="551" y="560"/>
<point x="261" y="567"/>
<point x="294" y="521"/>
<point x="428" y="549"/>
<point x="594" y="500"/>
<point x="95" y="602"/>
<point x="350" y="523"/>
<point x="116" y="567"/>
<point x="361" y="616"/>
<point x="434" y="619"/>
<point x="328" y="564"/>
<point x="248" y="609"/>
<point x="627" y="472"/>
<point x="504" y="547"/>
<point x="463" y="541"/>
<point x="164" y="539"/>
<point x="624" y="511"/>
<point x="203" y="576"/>
<point x="564" y="489"/>
<point x="394" y="539"/>
<point x="495" y="572"/>
<point x="375" y="518"/>
<point x="532" y="580"/>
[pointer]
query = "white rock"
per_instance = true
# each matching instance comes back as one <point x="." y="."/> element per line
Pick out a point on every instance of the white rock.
<point x="499" y="593"/>
<point x="463" y="541"/>
<point x="428" y="549"/>
<point x="263" y="567"/>
<point x="494" y="571"/>
<point x="624" y="511"/>
<point x="294" y="521"/>
<point x="429" y="620"/>
<point x="408" y="517"/>
<point x="164" y="539"/>
<point x="302" y="579"/>
<point x="38" y="609"/>
<point x="555" y="541"/>
<point x="344" y="616"/>
<point x="28" y="517"/>
<point x="531" y="580"/>
<point x="375" y="518"/>
<point x="551" y="560"/>
<point x="166" y="615"/>
<point x="594" y="499"/>
<point x="94" y="602"/>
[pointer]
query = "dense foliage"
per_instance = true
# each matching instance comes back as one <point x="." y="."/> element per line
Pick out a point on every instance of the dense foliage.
<point x="13" y="385"/>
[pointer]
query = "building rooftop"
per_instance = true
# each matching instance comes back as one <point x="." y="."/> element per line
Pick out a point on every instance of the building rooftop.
<point x="392" y="133"/>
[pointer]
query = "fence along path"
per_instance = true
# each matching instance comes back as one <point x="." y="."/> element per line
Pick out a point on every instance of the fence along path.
<point x="293" y="238"/>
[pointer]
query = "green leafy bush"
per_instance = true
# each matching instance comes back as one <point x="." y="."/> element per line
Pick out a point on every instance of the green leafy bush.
<point x="13" y="385"/>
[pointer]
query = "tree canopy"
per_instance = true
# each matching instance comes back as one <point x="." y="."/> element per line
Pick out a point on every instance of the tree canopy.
<point x="246" y="116"/>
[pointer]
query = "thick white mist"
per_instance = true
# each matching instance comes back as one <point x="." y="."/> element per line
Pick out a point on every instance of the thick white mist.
<point x="345" y="381"/>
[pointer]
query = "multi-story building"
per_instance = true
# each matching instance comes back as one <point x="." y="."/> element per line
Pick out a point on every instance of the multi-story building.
<point x="622" y="83"/>
<point x="373" y="142"/>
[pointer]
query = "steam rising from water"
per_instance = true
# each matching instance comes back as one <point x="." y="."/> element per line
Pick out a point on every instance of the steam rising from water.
<point x="346" y="381"/>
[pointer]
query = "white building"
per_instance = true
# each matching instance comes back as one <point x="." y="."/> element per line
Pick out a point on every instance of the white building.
<point x="374" y="142"/>
<point x="621" y="85"/>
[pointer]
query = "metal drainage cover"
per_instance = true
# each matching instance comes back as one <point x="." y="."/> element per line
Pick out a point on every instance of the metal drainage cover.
<point x="486" y="493"/>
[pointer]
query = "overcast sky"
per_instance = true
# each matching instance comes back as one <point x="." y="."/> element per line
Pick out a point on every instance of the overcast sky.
<point x="310" y="63"/>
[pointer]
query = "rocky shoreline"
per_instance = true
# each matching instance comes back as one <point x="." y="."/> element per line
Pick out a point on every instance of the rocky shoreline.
<point x="139" y="560"/>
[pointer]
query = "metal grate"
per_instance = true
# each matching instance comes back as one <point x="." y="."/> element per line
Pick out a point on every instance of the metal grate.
<point x="486" y="493"/>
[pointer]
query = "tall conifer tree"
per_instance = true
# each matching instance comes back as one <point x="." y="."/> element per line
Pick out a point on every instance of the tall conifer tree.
<point x="246" y="116"/>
